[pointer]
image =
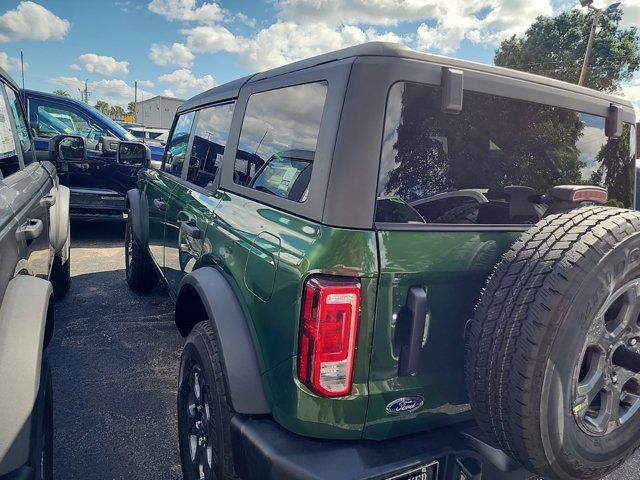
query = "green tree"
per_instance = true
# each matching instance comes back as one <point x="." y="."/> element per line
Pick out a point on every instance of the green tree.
<point x="103" y="107"/>
<point x="131" y="109"/>
<point x="62" y="93"/>
<point x="117" y="112"/>
<point x="555" y="47"/>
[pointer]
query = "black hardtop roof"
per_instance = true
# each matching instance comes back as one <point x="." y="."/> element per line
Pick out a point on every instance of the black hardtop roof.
<point x="387" y="49"/>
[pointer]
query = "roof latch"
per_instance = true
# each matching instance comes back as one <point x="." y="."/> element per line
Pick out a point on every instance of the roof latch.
<point x="452" y="90"/>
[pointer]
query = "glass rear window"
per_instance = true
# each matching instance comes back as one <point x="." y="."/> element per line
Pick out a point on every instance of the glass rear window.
<point x="494" y="162"/>
<point x="278" y="140"/>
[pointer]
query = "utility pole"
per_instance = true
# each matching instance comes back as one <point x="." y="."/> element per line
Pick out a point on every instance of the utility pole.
<point x="135" y="100"/>
<point x="587" y="55"/>
<point x="594" y="25"/>
<point x="22" y="67"/>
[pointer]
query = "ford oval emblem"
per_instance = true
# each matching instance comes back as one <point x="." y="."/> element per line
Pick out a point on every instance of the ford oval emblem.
<point x="405" y="405"/>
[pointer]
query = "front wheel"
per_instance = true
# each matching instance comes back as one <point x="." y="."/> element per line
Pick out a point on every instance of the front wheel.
<point x="141" y="273"/>
<point x="204" y="416"/>
<point x="61" y="269"/>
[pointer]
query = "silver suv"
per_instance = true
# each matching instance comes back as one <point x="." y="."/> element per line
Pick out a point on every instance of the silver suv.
<point x="34" y="268"/>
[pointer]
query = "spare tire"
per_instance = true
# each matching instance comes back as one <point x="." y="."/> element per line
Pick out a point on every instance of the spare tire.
<point x="552" y="353"/>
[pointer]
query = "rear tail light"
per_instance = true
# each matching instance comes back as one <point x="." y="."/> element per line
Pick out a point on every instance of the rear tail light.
<point x="328" y="331"/>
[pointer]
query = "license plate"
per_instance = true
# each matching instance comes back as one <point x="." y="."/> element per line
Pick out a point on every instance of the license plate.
<point x="424" y="472"/>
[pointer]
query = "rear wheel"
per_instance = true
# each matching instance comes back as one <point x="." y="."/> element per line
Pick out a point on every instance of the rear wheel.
<point x="204" y="416"/>
<point x="141" y="273"/>
<point x="42" y="446"/>
<point x="552" y="354"/>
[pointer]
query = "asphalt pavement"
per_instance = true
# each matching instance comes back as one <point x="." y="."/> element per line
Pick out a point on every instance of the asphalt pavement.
<point x="115" y="358"/>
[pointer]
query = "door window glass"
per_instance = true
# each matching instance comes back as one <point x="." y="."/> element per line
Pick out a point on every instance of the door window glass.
<point x="177" y="146"/>
<point x="9" y="159"/>
<point x="278" y="140"/>
<point x="21" y="127"/>
<point x="495" y="162"/>
<point x="209" y="141"/>
<point x="50" y="119"/>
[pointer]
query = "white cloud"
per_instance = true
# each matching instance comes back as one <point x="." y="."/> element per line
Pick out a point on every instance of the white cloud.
<point x="177" y="54"/>
<point x="10" y="63"/>
<point x="101" y="64"/>
<point x="187" y="10"/>
<point x="30" y="21"/>
<point x="167" y="93"/>
<point x="183" y="80"/>
<point x="212" y="38"/>
<point x="631" y="13"/>
<point x="282" y="42"/>
<point x="146" y="83"/>
<point x="112" y="91"/>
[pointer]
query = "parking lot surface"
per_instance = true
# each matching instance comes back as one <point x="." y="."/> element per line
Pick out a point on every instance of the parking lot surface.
<point x="114" y="360"/>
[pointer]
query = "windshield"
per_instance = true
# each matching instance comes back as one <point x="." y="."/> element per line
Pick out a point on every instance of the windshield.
<point x="120" y="131"/>
<point x="495" y="161"/>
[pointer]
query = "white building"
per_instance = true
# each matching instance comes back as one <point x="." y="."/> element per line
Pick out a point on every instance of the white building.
<point x="157" y="112"/>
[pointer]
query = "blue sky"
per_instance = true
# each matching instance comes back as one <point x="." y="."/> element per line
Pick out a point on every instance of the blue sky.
<point x="181" y="47"/>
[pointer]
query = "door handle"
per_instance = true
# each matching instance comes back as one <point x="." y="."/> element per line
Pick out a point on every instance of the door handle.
<point x="416" y="307"/>
<point x="160" y="204"/>
<point x="48" y="201"/>
<point x="31" y="229"/>
<point x="190" y="230"/>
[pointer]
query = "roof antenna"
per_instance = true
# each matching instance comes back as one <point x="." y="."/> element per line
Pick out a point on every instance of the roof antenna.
<point x="22" y="66"/>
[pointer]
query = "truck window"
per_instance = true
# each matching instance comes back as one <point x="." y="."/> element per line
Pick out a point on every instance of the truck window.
<point x="21" y="127"/>
<point x="177" y="146"/>
<point x="209" y="140"/>
<point x="9" y="156"/>
<point x="492" y="163"/>
<point x="278" y="140"/>
<point x="51" y="119"/>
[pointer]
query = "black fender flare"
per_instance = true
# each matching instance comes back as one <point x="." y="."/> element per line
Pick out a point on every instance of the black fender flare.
<point x="138" y="211"/>
<point x="239" y="359"/>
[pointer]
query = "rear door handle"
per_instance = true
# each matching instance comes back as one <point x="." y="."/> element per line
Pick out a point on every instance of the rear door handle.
<point x="160" y="204"/>
<point x="190" y="230"/>
<point x="48" y="201"/>
<point x="417" y="313"/>
<point x="31" y="229"/>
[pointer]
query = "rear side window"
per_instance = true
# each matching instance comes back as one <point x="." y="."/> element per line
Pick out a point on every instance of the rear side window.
<point x="209" y="141"/>
<point x="494" y="162"/>
<point x="278" y="140"/>
<point x="9" y="159"/>
<point x="177" y="146"/>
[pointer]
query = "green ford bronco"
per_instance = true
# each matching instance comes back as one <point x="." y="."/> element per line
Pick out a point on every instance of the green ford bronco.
<point x="327" y="230"/>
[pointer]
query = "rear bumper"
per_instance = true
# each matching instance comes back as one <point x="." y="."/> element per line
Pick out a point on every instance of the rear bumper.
<point x="263" y="450"/>
<point x="99" y="204"/>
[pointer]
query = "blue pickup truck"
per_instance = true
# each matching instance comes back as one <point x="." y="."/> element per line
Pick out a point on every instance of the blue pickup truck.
<point x="98" y="182"/>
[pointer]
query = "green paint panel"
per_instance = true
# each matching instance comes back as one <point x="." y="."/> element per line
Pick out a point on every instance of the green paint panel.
<point x="453" y="267"/>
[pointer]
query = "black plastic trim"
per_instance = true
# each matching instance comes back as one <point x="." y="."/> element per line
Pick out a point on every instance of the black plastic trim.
<point x="239" y="360"/>
<point x="139" y="214"/>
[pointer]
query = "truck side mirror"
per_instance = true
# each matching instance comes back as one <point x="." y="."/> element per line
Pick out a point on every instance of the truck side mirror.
<point x="67" y="148"/>
<point x="134" y="154"/>
<point x="108" y="144"/>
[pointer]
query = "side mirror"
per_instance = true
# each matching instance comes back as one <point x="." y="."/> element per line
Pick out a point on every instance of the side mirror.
<point x="134" y="154"/>
<point x="67" y="148"/>
<point x="108" y="144"/>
